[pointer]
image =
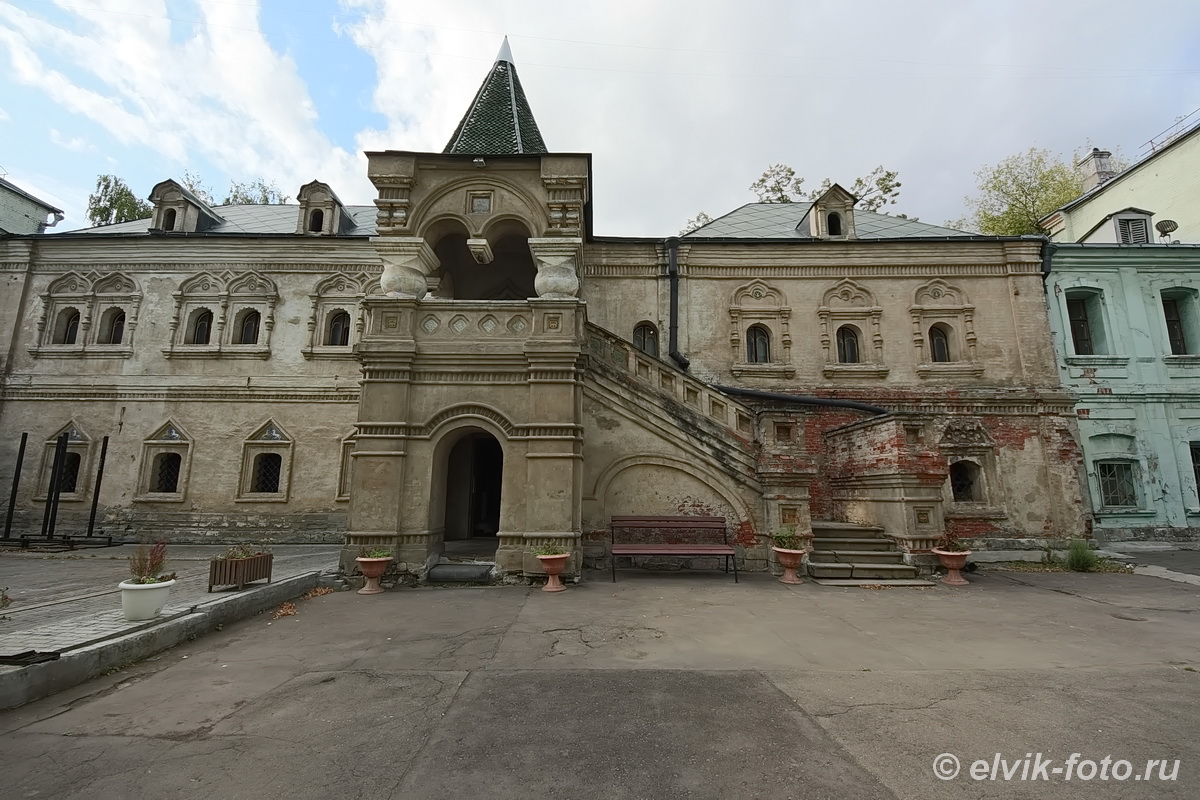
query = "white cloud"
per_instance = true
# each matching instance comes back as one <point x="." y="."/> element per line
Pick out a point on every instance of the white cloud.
<point x="76" y="144"/>
<point x="4" y="117"/>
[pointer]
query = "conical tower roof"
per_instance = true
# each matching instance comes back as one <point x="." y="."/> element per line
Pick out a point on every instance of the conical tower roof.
<point x="498" y="121"/>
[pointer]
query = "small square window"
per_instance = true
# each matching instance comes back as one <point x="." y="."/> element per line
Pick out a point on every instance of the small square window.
<point x="783" y="432"/>
<point x="1118" y="489"/>
<point x="481" y="204"/>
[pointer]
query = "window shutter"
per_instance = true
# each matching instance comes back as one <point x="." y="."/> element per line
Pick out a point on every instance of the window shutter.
<point x="1134" y="231"/>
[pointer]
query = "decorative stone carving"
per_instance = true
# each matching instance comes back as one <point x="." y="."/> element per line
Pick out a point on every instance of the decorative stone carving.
<point x="965" y="433"/>
<point x="481" y="249"/>
<point x="558" y="267"/>
<point x="407" y="261"/>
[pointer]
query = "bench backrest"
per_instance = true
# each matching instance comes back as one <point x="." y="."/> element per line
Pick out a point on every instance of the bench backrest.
<point x="669" y="530"/>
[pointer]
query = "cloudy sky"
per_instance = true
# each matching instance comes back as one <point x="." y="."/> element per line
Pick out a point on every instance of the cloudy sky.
<point x="682" y="103"/>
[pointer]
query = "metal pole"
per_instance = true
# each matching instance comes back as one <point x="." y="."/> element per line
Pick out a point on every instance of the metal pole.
<point x="12" y="500"/>
<point x="96" y="489"/>
<point x="50" y="491"/>
<point x="62" y="467"/>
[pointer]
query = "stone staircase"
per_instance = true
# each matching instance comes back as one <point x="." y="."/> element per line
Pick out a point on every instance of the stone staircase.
<point x="845" y="554"/>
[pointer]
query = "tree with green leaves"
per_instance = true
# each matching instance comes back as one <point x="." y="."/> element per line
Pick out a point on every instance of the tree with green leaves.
<point x="113" y="201"/>
<point x="779" y="184"/>
<point x="696" y="222"/>
<point x="1019" y="191"/>
<point x="255" y="192"/>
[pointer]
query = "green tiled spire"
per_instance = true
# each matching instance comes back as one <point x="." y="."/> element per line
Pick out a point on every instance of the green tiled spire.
<point x="498" y="121"/>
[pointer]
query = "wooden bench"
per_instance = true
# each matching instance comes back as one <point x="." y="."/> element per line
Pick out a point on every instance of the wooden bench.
<point x="677" y="528"/>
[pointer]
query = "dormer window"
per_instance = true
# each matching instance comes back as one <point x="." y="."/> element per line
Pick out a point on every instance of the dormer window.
<point x="169" y="219"/>
<point x="321" y="212"/>
<point x="835" y="224"/>
<point x="1134" y="230"/>
<point x="177" y="210"/>
<point x="832" y="215"/>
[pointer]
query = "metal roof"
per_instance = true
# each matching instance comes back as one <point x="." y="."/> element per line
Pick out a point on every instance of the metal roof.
<point x="260" y="219"/>
<point x="782" y="220"/>
<point x="499" y="120"/>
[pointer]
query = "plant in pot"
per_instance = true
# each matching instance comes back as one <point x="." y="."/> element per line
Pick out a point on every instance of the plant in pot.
<point x="148" y="588"/>
<point x="554" y="560"/>
<point x="373" y="562"/>
<point x="789" y="548"/>
<point x="953" y="555"/>
<point x="239" y="565"/>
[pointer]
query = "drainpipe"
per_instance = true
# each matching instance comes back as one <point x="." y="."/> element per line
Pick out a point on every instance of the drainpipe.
<point x="673" y="334"/>
<point x="808" y="401"/>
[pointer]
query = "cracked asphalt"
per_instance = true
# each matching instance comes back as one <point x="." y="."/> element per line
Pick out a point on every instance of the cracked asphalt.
<point x="680" y="685"/>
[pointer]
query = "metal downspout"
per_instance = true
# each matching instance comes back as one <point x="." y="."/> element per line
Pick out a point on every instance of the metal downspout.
<point x="673" y="330"/>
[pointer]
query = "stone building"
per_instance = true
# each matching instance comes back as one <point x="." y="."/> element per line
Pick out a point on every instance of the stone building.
<point x="22" y="213"/>
<point x="1125" y="314"/>
<point x="465" y="366"/>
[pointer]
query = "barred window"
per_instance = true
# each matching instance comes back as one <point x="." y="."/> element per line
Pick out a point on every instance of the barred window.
<point x="1195" y="447"/>
<point x="267" y="469"/>
<point x="1118" y="489"/>
<point x="68" y="477"/>
<point x="166" y="472"/>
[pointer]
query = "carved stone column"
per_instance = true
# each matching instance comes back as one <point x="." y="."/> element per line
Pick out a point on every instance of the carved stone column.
<point x="406" y="262"/>
<point x="557" y="262"/>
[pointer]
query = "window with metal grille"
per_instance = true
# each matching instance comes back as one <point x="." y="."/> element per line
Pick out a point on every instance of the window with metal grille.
<point x="1081" y="327"/>
<point x="1175" y="329"/>
<point x="847" y="345"/>
<point x="248" y="329"/>
<point x="758" y="345"/>
<point x="201" y="328"/>
<point x="645" y="338"/>
<point x="339" y="330"/>
<point x="266" y="472"/>
<point x="1134" y="231"/>
<point x="939" y="344"/>
<point x="1195" y="447"/>
<point x="964" y="482"/>
<point x="166" y="472"/>
<point x="68" y="476"/>
<point x="1117" y="486"/>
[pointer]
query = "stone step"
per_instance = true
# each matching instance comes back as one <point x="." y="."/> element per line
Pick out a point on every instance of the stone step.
<point x="822" y="544"/>
<point x="858" y="556"/>
<point x="888" y="582"/>
<point x="825" y="529"/>
<point x="828" y="570"/>
<point x="462" y="573"/>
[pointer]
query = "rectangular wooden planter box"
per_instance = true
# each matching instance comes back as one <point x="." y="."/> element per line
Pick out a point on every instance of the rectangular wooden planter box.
<point x="239" y="571"/>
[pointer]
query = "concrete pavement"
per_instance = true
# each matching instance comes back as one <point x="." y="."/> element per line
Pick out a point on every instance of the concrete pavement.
<point x="662" y="685"/>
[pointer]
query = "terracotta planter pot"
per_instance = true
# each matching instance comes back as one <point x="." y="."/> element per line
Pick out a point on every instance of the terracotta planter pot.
<point x="240" y="571"/>
<point x="953" y="562"/>
<point x="553" y="566"/>
<point x="373" y="569"/>
<point x="143" y="601"/>
<point x="790" y="560"/>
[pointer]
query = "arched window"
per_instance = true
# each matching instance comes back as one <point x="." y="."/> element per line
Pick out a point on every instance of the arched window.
<point x="67" y="329"/>
<point x="316" y="221"/>
<point x="965" y="485"/>
<point x="645" y="338"/>
<point x="338" y="333"/>
<point x="165" y="473"/>
<point x="200" y="330"/>
<point x="758" y="345"/>
<point x="112" y="329"/>
<point x="939" y="344"/>
<point x="847" y="345"/>
<point x="834" y="221"/>
<point x="247" y="329"/>
<point x="267" y="469"/>
<point x="169" y="219"/>
<point x="68" y="480"/>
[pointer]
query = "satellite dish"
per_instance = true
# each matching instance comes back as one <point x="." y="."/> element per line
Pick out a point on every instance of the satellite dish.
<point x="1166" y="227"/>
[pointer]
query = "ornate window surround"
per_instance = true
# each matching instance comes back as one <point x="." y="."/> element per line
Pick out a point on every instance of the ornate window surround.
<point x="850" y="303"/>
<point x="341" y="292"/>
<point x="758" y="303"/>
<point x="77" y="442"/>
<point x="169" y="437"/>
<point x="227" y="296"/>
<point x="938" y="301"/>
<point x="967" y="439"/>
<point x="267" y="438"/>
<point x="93" y="295"/>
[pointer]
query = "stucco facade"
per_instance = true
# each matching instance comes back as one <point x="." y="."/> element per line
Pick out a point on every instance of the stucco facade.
<point x="1127" y="331"/>
<point x="466" y="359"/>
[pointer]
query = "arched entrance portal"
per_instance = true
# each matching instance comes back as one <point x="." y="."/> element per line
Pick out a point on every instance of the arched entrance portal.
<point x="474" y="470"/>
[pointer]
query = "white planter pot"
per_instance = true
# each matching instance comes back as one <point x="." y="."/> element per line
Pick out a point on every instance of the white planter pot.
<point x="142" y="601"/>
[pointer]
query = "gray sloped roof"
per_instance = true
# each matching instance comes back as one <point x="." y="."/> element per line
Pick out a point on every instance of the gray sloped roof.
<point x="499" y="120"/>
<point x="780" y="221"/>
<point x="260" y="219"/>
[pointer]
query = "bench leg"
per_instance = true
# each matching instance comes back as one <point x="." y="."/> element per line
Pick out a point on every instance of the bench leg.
<point x="612" y="560"/>
<point x="735" y="572"/>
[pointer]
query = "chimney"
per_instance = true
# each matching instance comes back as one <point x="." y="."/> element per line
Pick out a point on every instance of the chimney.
<point x="1096" y="168"/>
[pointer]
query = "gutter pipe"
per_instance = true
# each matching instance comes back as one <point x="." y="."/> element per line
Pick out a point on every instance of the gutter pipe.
<point x="673" y="273"/>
